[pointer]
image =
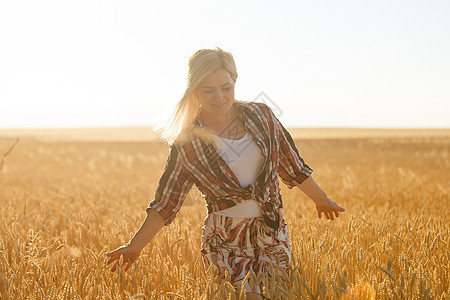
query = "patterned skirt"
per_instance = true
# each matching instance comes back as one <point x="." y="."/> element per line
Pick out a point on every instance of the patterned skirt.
<point x="240" y="245"/>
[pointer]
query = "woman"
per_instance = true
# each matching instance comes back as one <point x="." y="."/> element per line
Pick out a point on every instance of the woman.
<point x="233" y="151"/>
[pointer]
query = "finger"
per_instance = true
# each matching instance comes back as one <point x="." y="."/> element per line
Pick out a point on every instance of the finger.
<point x="336" y="213"/>
<point x="113" y="269"/>
<point x="124" y="266"/>
<point x="341" y="208"/>
<point x="117" y="265"/>
<point x="128" y="266"/>
<point x="110" y="261"/>
<point x="331" y="216"/>
<point x="319" y="214"/>
<point x="113" y="258"/>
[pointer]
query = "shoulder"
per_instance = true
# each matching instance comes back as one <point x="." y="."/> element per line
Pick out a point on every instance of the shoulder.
<point x="262" y="116"/>
<point x="191" y="142"/>
<point x="259" y="108"/>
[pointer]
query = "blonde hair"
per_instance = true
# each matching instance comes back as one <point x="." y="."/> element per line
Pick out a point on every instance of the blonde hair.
<point x="187" y="109"/>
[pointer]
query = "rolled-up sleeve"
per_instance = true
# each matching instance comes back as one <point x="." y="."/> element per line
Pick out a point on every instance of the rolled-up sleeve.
<point x="291" y="167"/>
<point x="172" y="188"/>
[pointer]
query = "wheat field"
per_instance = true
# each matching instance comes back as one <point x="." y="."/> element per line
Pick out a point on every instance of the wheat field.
<point x="65" y="202"/>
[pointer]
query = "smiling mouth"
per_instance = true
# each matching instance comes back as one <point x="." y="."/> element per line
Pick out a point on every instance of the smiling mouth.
<point x="219" y="105"/>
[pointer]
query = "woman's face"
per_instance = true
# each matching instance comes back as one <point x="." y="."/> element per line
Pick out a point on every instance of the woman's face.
<point x="216" y="92"/>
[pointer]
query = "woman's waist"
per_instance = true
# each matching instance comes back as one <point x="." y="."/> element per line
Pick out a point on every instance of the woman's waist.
<point x="272" y="201"/>
<point x="247" y="209"/>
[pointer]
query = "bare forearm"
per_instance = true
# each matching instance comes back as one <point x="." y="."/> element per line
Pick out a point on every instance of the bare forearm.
<point x="149" y="228"/>
<point x="312" y="190"/>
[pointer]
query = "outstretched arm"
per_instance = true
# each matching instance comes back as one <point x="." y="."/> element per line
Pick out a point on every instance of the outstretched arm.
<point x="131" y="251"/>
<point x="323" y="204"/>
<point x="171" y="190"/>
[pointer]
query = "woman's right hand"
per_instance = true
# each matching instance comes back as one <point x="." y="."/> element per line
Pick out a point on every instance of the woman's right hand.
<point x="129" y="253"/>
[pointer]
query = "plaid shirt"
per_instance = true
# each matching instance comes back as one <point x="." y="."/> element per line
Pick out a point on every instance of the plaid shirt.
<point x="197" y="161"/>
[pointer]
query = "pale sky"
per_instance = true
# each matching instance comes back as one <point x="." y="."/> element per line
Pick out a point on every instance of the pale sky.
<point x="383" y="64"/>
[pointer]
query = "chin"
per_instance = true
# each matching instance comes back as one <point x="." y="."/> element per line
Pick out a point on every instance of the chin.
<point x="225" y="106"/>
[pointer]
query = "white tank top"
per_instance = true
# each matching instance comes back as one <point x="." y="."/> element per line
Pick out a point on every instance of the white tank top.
<point x="245" y="159"/>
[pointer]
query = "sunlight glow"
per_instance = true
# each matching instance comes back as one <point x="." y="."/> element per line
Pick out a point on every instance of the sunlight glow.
<point x="324" y="63"/>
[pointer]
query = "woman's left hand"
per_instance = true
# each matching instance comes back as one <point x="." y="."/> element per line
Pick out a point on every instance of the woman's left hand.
<point x="129" y="254"/>
<point x="329" y="208"/>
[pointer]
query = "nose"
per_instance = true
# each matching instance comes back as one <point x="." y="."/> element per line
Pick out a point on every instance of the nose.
<point x="218" y="95"/>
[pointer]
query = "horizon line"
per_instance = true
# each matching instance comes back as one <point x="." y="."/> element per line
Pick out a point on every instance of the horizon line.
<point x="286" y="126"/>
